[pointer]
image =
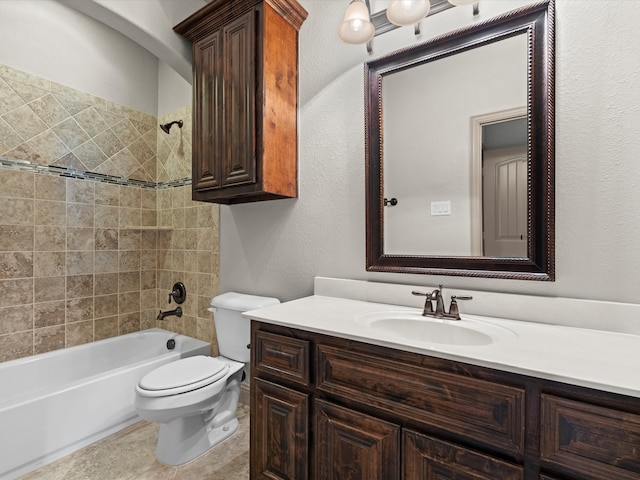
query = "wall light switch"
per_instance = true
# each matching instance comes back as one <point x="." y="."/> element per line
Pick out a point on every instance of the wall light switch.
<point x="441" y="208"/>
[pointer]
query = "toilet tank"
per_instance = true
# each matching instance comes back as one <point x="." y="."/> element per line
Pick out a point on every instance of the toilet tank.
<point x="232" y="329"/>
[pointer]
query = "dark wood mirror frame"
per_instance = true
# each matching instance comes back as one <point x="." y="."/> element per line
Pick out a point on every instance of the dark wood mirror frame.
<point x="537" y="21"/>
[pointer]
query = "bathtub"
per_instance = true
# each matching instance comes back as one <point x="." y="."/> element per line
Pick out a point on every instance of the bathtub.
<point x="55" y="403"/>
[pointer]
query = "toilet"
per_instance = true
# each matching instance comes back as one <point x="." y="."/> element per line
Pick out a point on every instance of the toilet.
<point x="195" y="399"/>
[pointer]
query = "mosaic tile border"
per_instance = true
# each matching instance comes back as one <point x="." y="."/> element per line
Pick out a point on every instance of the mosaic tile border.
<point x="26" y="166"/>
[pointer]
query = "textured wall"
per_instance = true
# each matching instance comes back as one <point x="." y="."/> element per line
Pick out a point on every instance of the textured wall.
<point x="36" y="37"/>
<point x="276" y="248"/>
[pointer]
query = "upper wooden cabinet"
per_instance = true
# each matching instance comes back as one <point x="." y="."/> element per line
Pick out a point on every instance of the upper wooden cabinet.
<point x="245" y="99"/>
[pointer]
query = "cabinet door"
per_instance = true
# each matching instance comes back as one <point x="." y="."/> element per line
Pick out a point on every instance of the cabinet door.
<point x="279" y="432"/>
<point x="207" y="125"/>
<point x="354" y="446"/>
<point x="589" y="441"/>
<point x="239" y="142"/>
<point x="427" y="458"/>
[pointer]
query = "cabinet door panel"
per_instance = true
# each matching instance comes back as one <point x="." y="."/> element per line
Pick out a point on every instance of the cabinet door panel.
<point x="207" y="131"/>
<point x="594" y="442"/>
<point x="354" y="446"/>
<point x="238" y="166"/>
<point x="279" y="432"/>
<point x="478" y="409"/>
<point x="426" y="458"/>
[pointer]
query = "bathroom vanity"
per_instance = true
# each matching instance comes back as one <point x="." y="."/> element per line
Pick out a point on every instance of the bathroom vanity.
<point x="337" y="393"/>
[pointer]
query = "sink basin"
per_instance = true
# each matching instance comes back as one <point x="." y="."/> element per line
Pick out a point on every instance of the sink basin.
<point x="432" y="331"/>
<point x="418" y="329"/>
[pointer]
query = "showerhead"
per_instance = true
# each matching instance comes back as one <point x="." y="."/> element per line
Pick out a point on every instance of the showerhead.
<point x="167" y="126"/>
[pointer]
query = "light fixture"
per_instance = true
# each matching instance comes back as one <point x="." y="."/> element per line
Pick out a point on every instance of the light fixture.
<point x="407" y="12"/>
<point x="359" y="26"/>
<point x="356" y="27"/>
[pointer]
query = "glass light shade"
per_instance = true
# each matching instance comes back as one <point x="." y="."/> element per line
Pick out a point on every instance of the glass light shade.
<point x="407" y="12"/>
<point x="356" y="27"/>
<point x="459" y="3"/>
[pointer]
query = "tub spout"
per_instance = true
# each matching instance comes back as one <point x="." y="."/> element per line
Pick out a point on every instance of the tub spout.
<point x="162" y="315"/>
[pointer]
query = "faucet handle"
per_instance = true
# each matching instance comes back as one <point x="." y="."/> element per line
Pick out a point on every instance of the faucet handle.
<point x="461" y="297"/>
<point x="178" y="293"/>
<point x="428" y="307"/>
<point x="453" y="308"/>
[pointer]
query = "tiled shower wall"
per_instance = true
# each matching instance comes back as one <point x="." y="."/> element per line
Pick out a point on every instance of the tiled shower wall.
<point x="86" y="259"/>
<point x="46" y="123"/>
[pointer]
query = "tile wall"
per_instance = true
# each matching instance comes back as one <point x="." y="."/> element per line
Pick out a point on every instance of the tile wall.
<point x="46" y="123"/>
<point x="187" y="251"/>
<point x="86" y="259"/>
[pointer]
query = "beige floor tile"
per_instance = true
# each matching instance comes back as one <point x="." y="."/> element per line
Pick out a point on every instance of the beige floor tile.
<point x="130" y="455"/>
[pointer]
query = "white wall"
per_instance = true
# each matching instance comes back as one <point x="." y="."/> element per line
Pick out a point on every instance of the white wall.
<point x="148" y="23"/>
<point x="174" y="92"/>
<point x="53" y="41"/>
<point x="275" y="248"/>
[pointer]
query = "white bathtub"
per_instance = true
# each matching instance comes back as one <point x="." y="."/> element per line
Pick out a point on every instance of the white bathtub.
<point x="54" y="403"/>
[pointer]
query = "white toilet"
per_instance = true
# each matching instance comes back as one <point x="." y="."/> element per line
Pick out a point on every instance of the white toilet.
<point x="195" y="398"/>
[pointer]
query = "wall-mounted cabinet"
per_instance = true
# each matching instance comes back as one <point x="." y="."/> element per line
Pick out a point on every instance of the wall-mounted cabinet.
<point x="245" y="99"/>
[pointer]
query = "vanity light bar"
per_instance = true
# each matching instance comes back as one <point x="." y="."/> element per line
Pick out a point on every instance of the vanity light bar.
<point x="381" y="23"/>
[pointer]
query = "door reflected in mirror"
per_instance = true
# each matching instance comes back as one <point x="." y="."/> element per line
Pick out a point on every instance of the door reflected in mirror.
<point x="504" y="207"/>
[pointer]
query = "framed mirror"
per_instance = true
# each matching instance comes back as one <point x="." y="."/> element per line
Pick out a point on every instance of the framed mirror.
<point x="460" y="152"/>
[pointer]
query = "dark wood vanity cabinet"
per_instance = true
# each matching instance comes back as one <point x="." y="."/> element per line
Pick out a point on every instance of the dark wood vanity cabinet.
<point x="326" y="408"/>
<point x="245" y="99"/>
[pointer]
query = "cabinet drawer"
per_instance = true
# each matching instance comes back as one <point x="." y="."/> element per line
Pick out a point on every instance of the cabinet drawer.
<point x="282" y="356"/>
<point x="429" y="458"/>
<point x="594" y="442"/>
<point x="473" y="408"/>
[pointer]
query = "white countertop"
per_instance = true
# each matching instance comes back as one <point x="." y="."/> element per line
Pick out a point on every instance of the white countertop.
<point x="591" y="358"/>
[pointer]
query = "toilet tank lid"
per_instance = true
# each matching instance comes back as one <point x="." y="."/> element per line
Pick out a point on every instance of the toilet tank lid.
<point x="241" y="301"/>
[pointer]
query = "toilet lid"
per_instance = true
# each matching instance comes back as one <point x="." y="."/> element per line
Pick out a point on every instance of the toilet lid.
<point x="191" y="372"/>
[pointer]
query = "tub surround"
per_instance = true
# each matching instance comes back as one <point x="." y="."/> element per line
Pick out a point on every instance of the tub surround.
<point x="604" y="360"/>
<point x="96" y="220"/>
<point x="51" y="124"/>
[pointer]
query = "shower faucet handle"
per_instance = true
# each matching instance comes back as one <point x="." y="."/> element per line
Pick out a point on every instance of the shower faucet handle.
<point x="179" y="293"/>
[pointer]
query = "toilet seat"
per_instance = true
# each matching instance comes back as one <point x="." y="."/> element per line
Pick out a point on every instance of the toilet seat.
<point x="182" y="376"/>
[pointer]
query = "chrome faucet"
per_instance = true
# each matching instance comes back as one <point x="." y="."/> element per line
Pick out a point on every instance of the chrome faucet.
<point x="440" y="312"/>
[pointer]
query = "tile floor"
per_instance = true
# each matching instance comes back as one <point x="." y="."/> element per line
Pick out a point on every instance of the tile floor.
<point x="130" y="454"/>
